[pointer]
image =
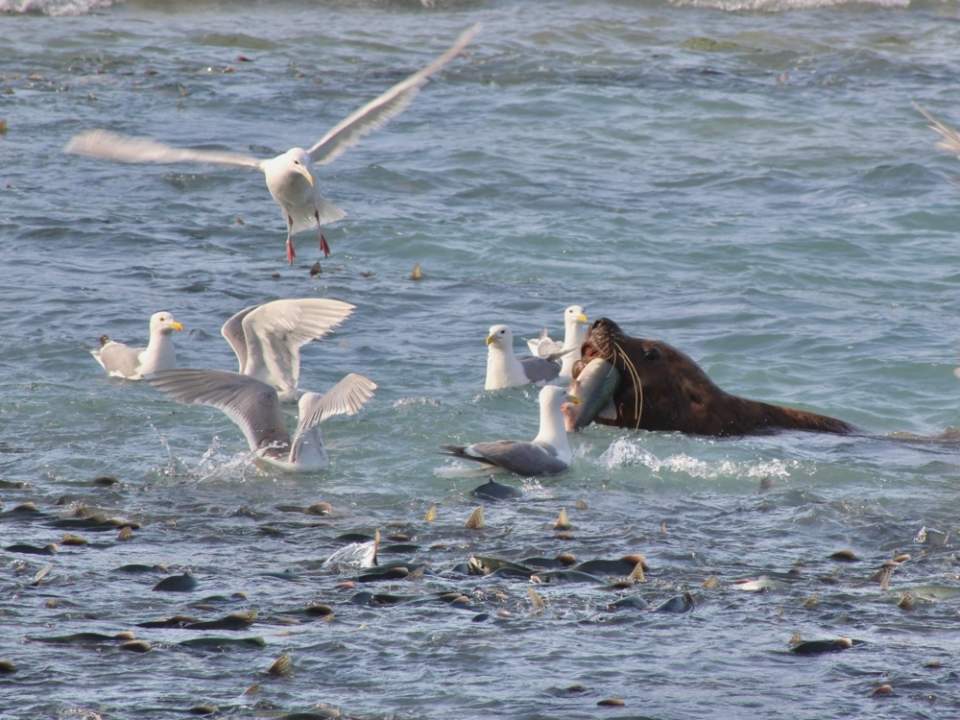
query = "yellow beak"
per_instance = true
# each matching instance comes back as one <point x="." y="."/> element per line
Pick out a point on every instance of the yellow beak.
<point x="573" y="399"/>
<point x="581" y="318"/>
<point x="490" y="339"/>
<point x="176" y="326"/>
<point x="306" y="173"/>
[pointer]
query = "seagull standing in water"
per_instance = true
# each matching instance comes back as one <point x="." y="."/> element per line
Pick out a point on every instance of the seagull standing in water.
<point x="291" y="177"/>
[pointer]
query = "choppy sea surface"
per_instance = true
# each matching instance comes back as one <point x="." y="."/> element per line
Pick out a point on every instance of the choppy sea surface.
<point x="745" y="179"/>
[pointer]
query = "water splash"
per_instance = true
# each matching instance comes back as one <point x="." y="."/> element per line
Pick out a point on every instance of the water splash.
<point x="777" y="6"/>
<point x="623" y="452"/>
<point x="54" y="7"/>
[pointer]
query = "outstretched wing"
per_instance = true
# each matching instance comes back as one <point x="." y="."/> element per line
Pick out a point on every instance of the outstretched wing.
<point x="121" y="148"/>
<point x="232" y="332"/>
<point x="275" y="331"/>
<point x="950" y="138"/>
<point x="251" y="404"/>
<point x="377" y="112"/>
<point x="345" y="398"/>
<point x="543" y="345"/>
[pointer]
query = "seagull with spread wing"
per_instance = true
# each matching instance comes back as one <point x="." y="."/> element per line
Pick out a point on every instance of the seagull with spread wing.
<point x="267" y="338"/>
<point x="255" y="408"/>
<point x="291" y="177"/>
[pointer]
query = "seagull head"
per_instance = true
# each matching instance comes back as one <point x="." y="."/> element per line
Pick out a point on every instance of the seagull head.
<point x="163" y="322"/>
<point x="500" y="337"/>
<point x="574" y="316"/>
<point x="298" y="161"/>
<point x="554" y="396"/>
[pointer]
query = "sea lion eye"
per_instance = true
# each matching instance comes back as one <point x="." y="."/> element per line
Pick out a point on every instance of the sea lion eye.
<point x="651" y="354"/>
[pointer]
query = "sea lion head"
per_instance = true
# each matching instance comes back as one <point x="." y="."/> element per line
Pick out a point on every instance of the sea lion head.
<point x="601" y="340"/>
<point x="656" y="379"/>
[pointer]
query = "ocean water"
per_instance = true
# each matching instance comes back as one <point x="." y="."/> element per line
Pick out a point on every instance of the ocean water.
<point x="745" y="179"/>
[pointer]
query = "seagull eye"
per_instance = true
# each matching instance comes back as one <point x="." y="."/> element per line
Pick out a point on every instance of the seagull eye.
<point x="502" y="331"/>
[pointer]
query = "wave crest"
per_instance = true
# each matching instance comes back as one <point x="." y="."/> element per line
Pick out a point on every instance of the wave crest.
<point x="54" y="7"/>
<point x="622" y="452"/>
<point x="775" y="6"/>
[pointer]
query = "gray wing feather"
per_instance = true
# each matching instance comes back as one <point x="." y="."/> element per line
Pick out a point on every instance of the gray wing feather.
<point x="274" y="333"/>
<point x="121" y="148"/>
<point x="523" y="458"/>
<point x="539" y="369"/>
<point x="378" y="111"/>
<point x="232" y="332"/>
<point x="251" y="404"/>
<point x="119" y="359"/>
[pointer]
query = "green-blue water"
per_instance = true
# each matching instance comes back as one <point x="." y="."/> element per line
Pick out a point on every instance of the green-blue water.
<point x="747" y="181"/>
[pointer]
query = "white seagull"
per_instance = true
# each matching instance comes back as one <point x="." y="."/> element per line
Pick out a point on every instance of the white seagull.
<point x="547" y="454"/>
<point x="504" y="369"/>
<point x="291" y="177"/>
<point x="132" y="363"/>
<point x="574" y="333"/>
<point x="267" y="338"/>
<point x="255" y="408"/>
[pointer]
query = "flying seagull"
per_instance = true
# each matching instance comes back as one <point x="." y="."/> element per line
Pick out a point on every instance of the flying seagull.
<point x="291" y="177"/>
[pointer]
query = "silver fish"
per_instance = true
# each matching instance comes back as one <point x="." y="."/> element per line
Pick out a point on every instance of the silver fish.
<point x="594" y="387"/>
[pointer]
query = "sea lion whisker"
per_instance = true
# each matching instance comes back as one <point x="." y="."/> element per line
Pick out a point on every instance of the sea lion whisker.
<point x="637" y="385"/>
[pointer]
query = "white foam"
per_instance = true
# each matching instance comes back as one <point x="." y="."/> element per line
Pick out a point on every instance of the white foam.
<point x="54" y="7"/>
<point x="623" y="452"/>
<point x="416" y="401"/>
<point x="775" y="6"/>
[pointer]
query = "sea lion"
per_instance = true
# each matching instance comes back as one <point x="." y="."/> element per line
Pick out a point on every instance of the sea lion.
<point x="661" y="388"/>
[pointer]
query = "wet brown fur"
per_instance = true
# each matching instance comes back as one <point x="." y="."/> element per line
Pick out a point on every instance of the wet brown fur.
<point x="676" y="395"/>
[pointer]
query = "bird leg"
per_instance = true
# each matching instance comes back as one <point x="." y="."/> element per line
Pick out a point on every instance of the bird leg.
<point x="291" y="253"/>
<point x="323" y="241"/>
